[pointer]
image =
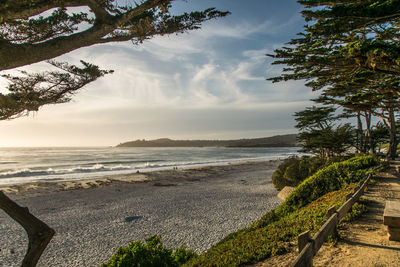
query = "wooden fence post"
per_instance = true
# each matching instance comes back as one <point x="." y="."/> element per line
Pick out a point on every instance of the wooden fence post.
<point x="308" y="247"/>
<point x="303" y="239"/>
<point x="329" y="213"/>
<point x="305" y="249"/>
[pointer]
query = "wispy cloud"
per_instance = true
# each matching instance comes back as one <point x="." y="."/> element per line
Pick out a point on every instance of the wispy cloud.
<point x="208" y="83"/>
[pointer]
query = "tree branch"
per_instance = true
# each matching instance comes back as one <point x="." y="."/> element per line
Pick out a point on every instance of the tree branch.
<point x="23" y="9"/>
<point x="32" y="91"/>
<point x="140" y="22"/>
<point x="39" y="233"/>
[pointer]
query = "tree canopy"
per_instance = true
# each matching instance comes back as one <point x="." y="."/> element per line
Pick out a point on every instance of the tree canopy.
<point x="35" y="31"/>
<point x="28" y="35"/>
<point x="318" y="134"/>
<point x="32" y="90"/>
<point x="373" y="22"/>
<point x="350" y="52"/>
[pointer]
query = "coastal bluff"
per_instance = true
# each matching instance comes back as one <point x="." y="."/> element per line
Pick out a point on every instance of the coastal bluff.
<point x="288" y="140"/>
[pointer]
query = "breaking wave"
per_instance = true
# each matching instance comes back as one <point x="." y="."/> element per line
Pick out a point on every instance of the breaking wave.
<point x="27" y="165"/>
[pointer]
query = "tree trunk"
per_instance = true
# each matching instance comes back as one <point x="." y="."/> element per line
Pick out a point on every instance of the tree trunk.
<point x="393" y="137"/>
<point x="360" y="136"/>
<point x="39" y="234"/>
<point x="369" y="140"/>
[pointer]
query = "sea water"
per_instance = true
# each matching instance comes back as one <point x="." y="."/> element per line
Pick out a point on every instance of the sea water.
<point x="23" y="165"/>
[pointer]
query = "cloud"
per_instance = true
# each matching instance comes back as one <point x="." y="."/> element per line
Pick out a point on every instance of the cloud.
<point x="208" y="83"/>
<point x="204" y="73"/>
<point x="237" y="31"/>
<point x="177" y="47"/>
<point x="142" y="81"/>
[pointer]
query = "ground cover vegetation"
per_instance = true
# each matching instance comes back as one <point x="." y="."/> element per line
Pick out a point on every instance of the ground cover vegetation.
<point x="41" y="30"/>
<point x="330" y="178"/>
<point x="304" y="209"/>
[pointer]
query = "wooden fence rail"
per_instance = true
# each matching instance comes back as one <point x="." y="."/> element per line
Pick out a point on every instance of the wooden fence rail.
<point x="308" y="246"/>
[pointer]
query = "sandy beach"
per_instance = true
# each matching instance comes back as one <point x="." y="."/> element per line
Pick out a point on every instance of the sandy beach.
<point x="93" y="217"/>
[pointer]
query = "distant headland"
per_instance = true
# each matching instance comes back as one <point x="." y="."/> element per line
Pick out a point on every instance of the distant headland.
<point x="287" y="140"/>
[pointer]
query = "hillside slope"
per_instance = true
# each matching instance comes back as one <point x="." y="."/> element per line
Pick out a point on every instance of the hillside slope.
<point x="287" y="140"/>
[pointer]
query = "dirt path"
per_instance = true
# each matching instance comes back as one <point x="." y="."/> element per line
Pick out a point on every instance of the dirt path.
<point x="363" y="242"/>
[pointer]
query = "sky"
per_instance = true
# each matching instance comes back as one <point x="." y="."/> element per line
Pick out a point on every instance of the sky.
<point x="204" y="84"/>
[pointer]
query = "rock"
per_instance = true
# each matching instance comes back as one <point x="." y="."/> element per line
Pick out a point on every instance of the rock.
<point x="285" y="192"/>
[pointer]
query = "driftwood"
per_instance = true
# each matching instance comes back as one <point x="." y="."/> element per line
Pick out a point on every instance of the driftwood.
<point x="39" y="234"/>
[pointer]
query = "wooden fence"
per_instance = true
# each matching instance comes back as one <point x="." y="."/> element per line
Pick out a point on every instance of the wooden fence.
<point x="308" y="246"/>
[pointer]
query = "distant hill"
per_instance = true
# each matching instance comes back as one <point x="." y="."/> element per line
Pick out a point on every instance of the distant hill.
<point x="287" y="140"/>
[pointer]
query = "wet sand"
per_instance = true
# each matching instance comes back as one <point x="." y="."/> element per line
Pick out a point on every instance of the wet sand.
<point x="93" y="217"/>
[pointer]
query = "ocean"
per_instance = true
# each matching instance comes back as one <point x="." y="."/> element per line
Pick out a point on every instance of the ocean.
<point x="24" y="165"/>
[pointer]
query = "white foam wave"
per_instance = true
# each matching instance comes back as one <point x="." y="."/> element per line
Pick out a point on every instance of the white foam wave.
<point x="51" y="171"/>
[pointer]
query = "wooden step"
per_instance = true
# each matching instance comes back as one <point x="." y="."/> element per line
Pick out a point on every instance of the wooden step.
<point x="391" y="215"/>
<point x="393" y="233"/>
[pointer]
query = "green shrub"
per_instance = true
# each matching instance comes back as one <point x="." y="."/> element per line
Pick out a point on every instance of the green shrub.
<point x="294" y="170"/>
<point x="280" y="178"/>
<point x="182" y="255"/>
<point x="149" y="254"/>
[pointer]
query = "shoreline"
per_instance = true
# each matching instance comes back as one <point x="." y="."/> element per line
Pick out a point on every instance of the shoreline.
<point x="31" y="166"/>
<point x="197" y="207"/>
<point x="146" y="175"/>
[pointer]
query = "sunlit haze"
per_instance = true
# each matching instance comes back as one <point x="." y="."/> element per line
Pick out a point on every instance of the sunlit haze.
<point x="204" y="84"/>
